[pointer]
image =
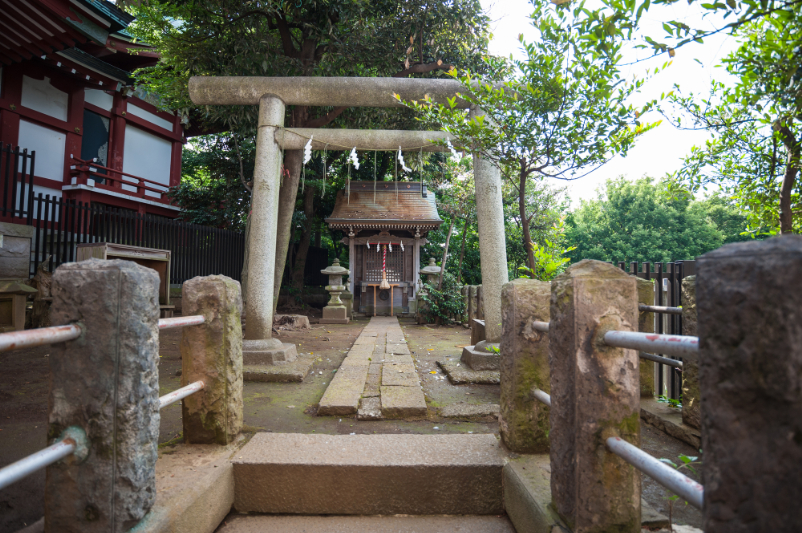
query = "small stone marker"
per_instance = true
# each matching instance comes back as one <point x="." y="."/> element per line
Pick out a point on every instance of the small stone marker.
<point x="106" y="382"/>
<point x="212" y="352"/>
<point x="749" y="297"/>
<point x="524" y="422"/>
<point x="594" y="395"/>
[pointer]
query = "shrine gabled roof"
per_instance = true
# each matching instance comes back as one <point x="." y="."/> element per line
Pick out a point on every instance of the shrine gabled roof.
<point x="393" y="205"/>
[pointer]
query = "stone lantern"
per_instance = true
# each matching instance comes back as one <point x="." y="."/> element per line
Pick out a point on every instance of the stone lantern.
<point x="335" y="311"/>
<point x="431" y="271"/>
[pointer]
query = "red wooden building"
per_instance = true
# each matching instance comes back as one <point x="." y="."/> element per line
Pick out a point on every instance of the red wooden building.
<point x="66" y="93"/>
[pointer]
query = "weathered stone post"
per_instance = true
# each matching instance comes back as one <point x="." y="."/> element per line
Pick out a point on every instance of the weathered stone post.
<point x="260" y="347"/>
<point x="749" y="297"/>
<point x="106" y="382"/>
<point x="646" y="325"/>
<point x="594" y="395"/>
<point x="335" y="311"/>
<point x="691" y="410"/>
<point x="524" y="363"/>
<point x="212" y="352"/>
<point x="492" y="243"/>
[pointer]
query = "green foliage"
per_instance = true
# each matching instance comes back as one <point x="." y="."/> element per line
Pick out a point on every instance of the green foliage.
<point x="549" y="262"/>
<point x="644" y="221"/>
<point x="446" y="303"/>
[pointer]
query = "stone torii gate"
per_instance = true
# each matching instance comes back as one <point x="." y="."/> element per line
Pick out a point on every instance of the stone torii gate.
<point x="273" y="95"/>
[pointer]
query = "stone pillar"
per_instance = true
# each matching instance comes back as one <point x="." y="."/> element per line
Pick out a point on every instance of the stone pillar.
<point x="492" y="243"/>
<point x="646" y="325"/>
<point x="212" y="353"/>
<point x="335" y="311"/>
<point x="594" y="396"/>
<point x="480" y="303"/>
<point x="750" y="377"/>
<point x="473" y="302"/>
<point x="691" y="411"/>
<point x="260" y="347"/>
<point x="107" y="383"/>
<point x="524" y="362"/>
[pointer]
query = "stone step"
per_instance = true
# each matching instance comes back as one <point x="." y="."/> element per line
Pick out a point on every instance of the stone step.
<point x="362" y="524"/>
<point x="290" y="473"/>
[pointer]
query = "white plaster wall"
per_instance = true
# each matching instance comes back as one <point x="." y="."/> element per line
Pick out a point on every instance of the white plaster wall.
<point x="147" y="156"/>
<point x="40" y="96"/>
<point x="150" y="117"/>
<point x="99" y="98"/>
<point x="49" y="145"/>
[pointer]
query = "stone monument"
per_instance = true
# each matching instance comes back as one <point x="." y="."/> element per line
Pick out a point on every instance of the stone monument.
<point x="335" y="311"/>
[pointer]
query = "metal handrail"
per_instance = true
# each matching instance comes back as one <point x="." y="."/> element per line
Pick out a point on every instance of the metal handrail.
<point x="660" y="309"/>
<point x="180" y="394"/>
<point x="676" y="345"/>
<point x="680" y="484"/>
<point x="661" y="360"/>
<point x="542" y="396"/>
<point x="14" y="340"/>
<point x="72" y="440"/>
<point x="540" y="326"/>
<point x="181" y="321"/>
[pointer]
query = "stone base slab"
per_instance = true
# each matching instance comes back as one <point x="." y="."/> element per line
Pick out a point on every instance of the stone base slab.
<point x="669" y="420"/>
<point x="467" y="410"/>
<point x="480" y="360"/>
<point x="334" y="321"/>
<point x="293" y="372"/>
<point x="361" y="524"/>
<point x="403" y="402"/>
<point x="291" y="473"/>
<point x="459" y="374"/>
<point x="255" y="353"/>
<point x="527" y="497"/>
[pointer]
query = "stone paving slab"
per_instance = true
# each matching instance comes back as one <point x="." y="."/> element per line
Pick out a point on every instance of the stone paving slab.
<point x="402" y="402"/>
<point x="362" y="524"/>
<point x="292" y="372"/>
<point x="461" y="375"/>
<point x="343" y="393"/>
<point x="397" y="349"/>
<point x="395" y="375"/>
<point x="399" y="359"/>
<point x="370" y="409"/>
<point x="375" y="368"/>
<point x="467" y="410"/>
<point x="372" y="385"/>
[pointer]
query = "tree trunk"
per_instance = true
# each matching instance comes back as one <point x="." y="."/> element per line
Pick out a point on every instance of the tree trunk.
<point x="530" y="254"/>
<point x="792" y="145"/>
<point x="288" y="194"/>
<point x="462" y="252"/>
<point x="306" y="238"/>
<point x="445" y="255"/>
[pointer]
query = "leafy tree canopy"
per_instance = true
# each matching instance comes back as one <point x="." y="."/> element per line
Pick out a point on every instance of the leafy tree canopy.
<point x="644" y="221"/>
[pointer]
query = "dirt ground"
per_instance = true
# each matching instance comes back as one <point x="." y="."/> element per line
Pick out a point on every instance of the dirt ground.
<point x="276" y="407"/>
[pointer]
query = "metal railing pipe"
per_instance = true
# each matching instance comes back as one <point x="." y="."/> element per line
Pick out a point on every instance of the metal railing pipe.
<point x="540" y="326"/>
<point x="179" y="394"/>
<point x="676" y="345"/>
<point x="660" y="309"/>
<point x="181" y="321"/>
<point x="73" y="440"/>
<point x="661" y="360"/>
<point x="680" y="484"/>
<point x="14" y="340"/>
<point x="542" y="396"/>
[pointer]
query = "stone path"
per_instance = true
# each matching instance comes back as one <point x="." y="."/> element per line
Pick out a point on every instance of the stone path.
<point x="377" y="379"/>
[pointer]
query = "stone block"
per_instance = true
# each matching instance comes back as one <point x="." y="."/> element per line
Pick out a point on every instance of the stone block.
<point x="402" y="402"/>
<point x="335" y="315"/>
<point x="370" y="408"/>
<point x="286" y="473"/>
<point x="397" y="349"/>
<point x="372" y="384"/>
<point x="212" y="352"/>
<point x="343" y="393"/>
<point x="15" y="253"/>
<point x="473" y="302"/>
<point x="524" y="363"/>
<point x="459" y="374"/>
<point x="400" y="376"/>
<point x="595" y="394"/>
<point x="268" y="352"/>
<point x="691" y="410"/>
<point x="106" y="382"/>
<point x="467" y="410"/>
<point x="646" y="325"/>
<point x="374" y="524"/>
<point x="480" y="359"/>
<point x="477" y="331"/>
<point x="749" y="297"/>
<point x="293" y="372"/>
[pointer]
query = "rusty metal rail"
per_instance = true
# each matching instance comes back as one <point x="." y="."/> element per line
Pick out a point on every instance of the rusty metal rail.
<point x="180" y="394"/>
<point x="15" y="340"/>
<point x="181" y="321"/>
<point x="660" y="309"/>
<point x="676" y="345"/>
<point x="679" y="484"/>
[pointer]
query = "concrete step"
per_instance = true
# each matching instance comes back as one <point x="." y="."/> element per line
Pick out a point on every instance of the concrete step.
<point x="362" y="524"/>
<point x="290" y="473"/>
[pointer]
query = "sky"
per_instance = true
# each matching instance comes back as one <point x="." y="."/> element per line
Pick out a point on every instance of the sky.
<point x="660" y="150"/>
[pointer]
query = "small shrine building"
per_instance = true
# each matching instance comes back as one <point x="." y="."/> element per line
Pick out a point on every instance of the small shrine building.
<point x="386" y="223"/>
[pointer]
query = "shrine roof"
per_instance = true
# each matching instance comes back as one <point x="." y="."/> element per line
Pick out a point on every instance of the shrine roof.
<point x="394" y="205"/>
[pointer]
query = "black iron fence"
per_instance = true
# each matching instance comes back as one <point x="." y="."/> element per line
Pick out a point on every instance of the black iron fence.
<point x="668" y="292"/>
<point x="60" y="225"/>
<point x="16" y="182"/>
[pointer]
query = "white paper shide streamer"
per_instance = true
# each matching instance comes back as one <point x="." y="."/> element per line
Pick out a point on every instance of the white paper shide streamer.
<point x="401" y="161"/>
<point x="308" y="150"/>
<point x="353" y="158"/>
<point x="454" y="153"/>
